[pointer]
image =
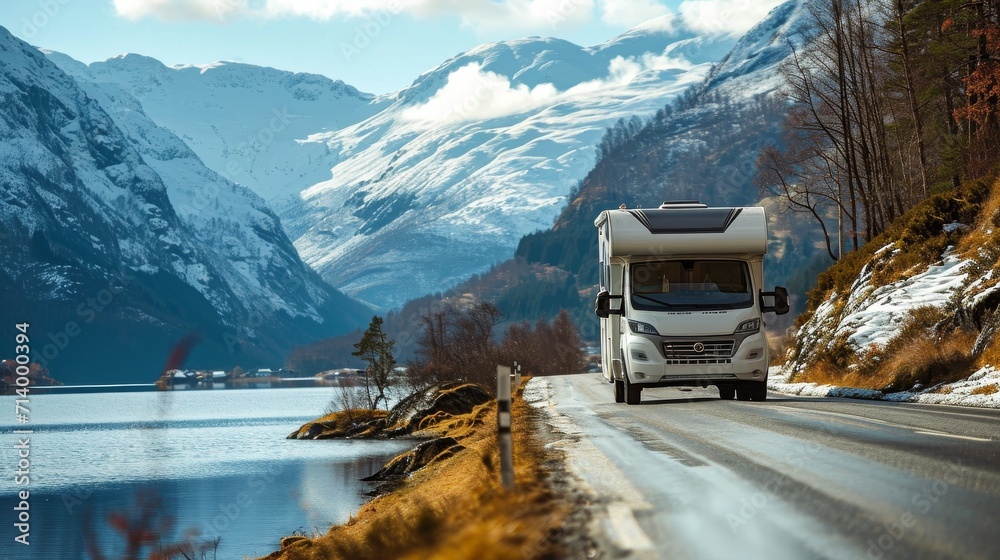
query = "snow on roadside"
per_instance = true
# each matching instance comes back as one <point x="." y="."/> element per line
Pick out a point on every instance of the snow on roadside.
<point x="959" y="393"/>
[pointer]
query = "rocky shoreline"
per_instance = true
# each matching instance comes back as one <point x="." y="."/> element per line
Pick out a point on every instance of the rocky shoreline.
<point x="443" y="498"/>
<point x="413" y="417"/>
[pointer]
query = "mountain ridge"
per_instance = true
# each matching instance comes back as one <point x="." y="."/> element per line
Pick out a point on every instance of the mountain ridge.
<point x="438" y="172"/>
<point x="109" y="246"/>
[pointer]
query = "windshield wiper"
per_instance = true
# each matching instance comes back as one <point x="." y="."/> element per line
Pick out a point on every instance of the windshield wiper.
<point x="654" y="300"/>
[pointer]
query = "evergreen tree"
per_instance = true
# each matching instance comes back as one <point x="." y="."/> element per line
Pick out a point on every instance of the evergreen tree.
<point x="376" y="349"/>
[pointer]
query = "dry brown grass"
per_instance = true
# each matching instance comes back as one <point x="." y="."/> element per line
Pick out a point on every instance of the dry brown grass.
<point x="986" y="389"/>
<point x="455" y="508"/>
<point x="990" y="356"/>
<point x="824" y="372"/>
<point x="929" y="361"/>
<point x="343" y="419"/>
<point x="984" y="232"/>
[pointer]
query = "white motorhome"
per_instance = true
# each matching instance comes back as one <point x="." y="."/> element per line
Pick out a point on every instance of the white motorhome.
<point x="681" y="300"/>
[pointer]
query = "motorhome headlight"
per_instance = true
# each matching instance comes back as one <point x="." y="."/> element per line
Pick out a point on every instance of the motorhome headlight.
<point x="642" y="328"/>
<point x="753" y="325"/>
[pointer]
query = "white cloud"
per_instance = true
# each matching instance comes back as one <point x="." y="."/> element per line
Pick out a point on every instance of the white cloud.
<point x="329" y="9"/>
<point x="181" y="10"/>
<point x="622" y="71"/>
<point x="629" y="13"/>
<point x="734" y="17"/>
<point x="478" y="14"/>
<point x="537" y="15"/>
<point x="472" y="94"/>
<point x="541" y="16"/>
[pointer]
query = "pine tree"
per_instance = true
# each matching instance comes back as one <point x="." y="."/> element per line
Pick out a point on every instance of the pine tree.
<point x="376" y="349"/>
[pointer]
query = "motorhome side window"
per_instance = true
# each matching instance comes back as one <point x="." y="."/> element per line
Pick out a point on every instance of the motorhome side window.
<point x="690" y="284"/>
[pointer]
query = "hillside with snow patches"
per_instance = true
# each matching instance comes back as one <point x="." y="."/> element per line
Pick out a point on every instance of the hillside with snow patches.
<point x="395" y="196"/>
<point x="119" y="241"/>
<point x="961" y="285"/>
<point x="873" y="315"/>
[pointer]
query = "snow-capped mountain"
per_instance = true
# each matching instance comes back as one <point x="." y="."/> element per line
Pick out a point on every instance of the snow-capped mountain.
<point x="703" y="146"/>
<point x="244" y="121"/>
<point x="397" y="196"/>
<point x="751" y="67"/>
<point x="118" y="240"/>
<point x="477" y="153"/>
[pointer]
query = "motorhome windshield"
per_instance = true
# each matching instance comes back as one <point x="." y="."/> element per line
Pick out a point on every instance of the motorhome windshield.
<point x="690" y="284"/>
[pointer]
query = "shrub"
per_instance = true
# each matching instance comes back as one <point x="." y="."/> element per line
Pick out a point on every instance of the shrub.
<point x="986" y="389"/>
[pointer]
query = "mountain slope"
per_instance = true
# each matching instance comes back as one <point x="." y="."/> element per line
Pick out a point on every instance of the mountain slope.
<point x="750" y="68"/>
<point x="119" y="241"/>
<point x="476" y="153"/>
<point x="702" y="145"/>
<point x="245" y="122"/>
<point x="439" y="180"/>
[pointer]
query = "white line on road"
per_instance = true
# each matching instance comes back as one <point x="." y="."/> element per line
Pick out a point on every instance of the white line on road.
<point x="914" y="429"/>
<point x="956" y="436"/>
<point x="625" y="530"/>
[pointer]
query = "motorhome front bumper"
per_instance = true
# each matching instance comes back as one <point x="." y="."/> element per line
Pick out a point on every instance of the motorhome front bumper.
<point x="682" y="361"/>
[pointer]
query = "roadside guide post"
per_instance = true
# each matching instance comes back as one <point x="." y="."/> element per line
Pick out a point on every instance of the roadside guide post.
<point x="515" y="377"/>
<point x="503" y="427"/>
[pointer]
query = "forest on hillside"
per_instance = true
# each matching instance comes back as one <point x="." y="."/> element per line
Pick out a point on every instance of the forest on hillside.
<point x="892" y="101"/>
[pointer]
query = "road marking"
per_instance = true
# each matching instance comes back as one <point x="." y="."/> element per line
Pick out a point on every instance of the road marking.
<point x="914" y="429"/>
<point x="626" y="530"/>
<point x="943" y="434"/>
<point x="987" y="414"/>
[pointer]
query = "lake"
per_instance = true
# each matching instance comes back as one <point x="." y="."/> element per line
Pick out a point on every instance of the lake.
<point x="212" y="462"/>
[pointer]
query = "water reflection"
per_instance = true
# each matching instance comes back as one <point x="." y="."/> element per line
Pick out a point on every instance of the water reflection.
<point x="248" y="513"/>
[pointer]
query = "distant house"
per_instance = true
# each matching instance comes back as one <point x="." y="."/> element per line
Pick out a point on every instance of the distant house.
<point x="188" y="376"/>
<point x="261" y="372"/>
<point x="341" y="374"/>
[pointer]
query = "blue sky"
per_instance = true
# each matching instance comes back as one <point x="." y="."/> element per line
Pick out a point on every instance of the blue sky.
<point x="378" y="46"/>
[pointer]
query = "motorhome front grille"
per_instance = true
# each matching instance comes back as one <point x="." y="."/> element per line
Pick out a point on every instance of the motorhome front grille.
<point x="700" y="362"/>
<point x="697" y="352"/>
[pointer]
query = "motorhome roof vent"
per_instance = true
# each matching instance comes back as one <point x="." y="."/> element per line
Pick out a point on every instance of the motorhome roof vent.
<point x="682" y="204"/>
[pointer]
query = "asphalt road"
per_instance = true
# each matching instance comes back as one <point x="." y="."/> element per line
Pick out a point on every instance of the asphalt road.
<point x="687" y="475"/>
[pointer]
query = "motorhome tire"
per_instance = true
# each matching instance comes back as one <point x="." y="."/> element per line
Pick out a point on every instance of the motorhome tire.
<point x="727" y="392"/>
<point x="743" y="391"/>
<point x="633" y="394"/>
<point x="758" y="391"/>
<point x="619" y="391"/>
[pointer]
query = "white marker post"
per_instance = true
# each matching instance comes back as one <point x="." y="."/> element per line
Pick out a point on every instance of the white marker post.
<point x="515" y="377"/>
<point x="503" y="428"/>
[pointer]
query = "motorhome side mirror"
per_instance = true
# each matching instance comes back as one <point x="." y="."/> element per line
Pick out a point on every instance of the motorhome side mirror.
<point x="604" y="306"/>
<point x="774" y="302"/>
